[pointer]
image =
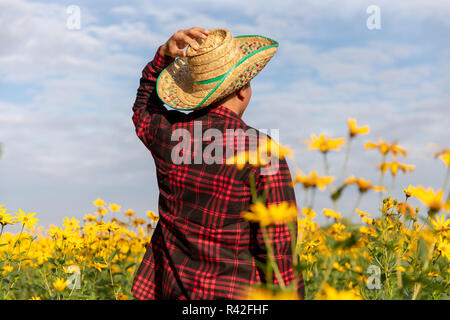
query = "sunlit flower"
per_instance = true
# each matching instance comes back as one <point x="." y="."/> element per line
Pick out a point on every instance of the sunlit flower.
<point x="330" y="293"/>
<point x="408" y="191"/>
<point x="71" y="223"/>
<point x="432" y="199"/>
<point x="385" y="147"/>
<point x="354" y="130"/>
<point x="99" y="203"/>
<point x="60" y="284"/>
<point x="26" y="219"/>
<point x="363" y="184"/>
<point x="264" y="294"/>
<point x="338" y="267"/>
<point x="309" y="213"/>
<point x="113" y="207"/>
<point x="90" y="217"/>
<point x="362" y="213"/>
<point x="445" y="158"/>
<point x="5" y="218"/>
<point x="440" y="224"/>
<point x="261" y="156"/>
<point x="7" y="269"/>
<point x="152" y="216"/>
<point x="129" y="213"/>
<point x="99" y="266"/>
<point x="102" y="211"/>
<point x="274" y="214"/>
<point x="323" y="143"/>
<point x="313" y="180"/>
<point x="332" y="214"/>
<point x="394" y="166"/>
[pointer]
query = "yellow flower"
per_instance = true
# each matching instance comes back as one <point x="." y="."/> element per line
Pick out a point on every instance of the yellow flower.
<point x="7" y="269"/>
<point x="60" y="284"/>
<point x="363" y="184"/>
<point x="440" y="224"/>
<point x="264" y="294"/>
<point x="385" y="147"/>
<point x="330" y="293"/>
<point x="324" y="144"/>
<point x="122" y="296"/>
<point x="71" y="223"/>
<point x="395" y="166"/>
<point x="138" y="221"/>
<point x="367" y="220"/>
<point x="446" y="158"/>
<point x="443" y="245"/>
<point x="270" y="147"/>
<point x="260" y="157"/>
<point x="338" y="267"/>
<point x="26" y="219"/>
<point x="274" y="214"/>
<point x="129" y="213"/>
<point x="111" y="226"/>
<point x="35" y="298"/>
<point x="152" y="216"/>
<point x="99" y="266"/>
<point x="309" y="213"/>
<point x="400" y="268"/>
<point x="430" y="198"/>
<point x="354" y="130"/>
<point x="114" y="207"/>
<point x="408" y="192"/>
<point x="313" y="180"/>
<point x="433" y="274"/>
<point x="90" y="217"/>
<point x="331" y="213"/>
<point x="99" y="203"/>
<point x="5" y="218"/>
<point x="102" y="211"/>
<point x="362" y="213"/>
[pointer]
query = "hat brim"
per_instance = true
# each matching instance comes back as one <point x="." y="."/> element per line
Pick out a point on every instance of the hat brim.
<point x="174" y="84"/>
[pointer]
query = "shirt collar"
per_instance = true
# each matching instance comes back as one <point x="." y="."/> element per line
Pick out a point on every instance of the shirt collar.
<point x="224" y="112"/>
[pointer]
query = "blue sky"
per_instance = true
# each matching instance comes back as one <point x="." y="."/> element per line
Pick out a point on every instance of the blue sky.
<point x="66" y="95"/>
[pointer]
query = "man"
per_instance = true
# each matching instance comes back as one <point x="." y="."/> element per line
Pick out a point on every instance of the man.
<point x="202" y="248"/>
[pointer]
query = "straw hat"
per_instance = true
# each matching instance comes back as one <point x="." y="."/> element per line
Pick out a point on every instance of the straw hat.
<point x="221" y="65"/>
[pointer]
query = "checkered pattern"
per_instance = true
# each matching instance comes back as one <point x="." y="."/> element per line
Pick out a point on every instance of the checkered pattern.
<point x="202" y="248"/>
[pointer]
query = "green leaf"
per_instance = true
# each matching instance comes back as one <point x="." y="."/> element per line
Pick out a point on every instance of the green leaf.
<point x="113" y="254"/>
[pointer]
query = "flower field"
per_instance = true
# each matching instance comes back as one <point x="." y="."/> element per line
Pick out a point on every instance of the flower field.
<point x="395" y="251"/>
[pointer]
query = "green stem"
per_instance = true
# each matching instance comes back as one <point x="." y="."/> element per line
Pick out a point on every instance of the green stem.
<point x="347" y="154"/>
<point x="272" y="258"/>
<point x="418" y="286"/>
<point x="313" y="197"/>
<point x="327" y="171"/>
<point x="295" y="257"/>
<point x="327" y="275"/>
<point x="358" y="200"/>
<point x="393" y="186"/>
<point x="446" y="179"/>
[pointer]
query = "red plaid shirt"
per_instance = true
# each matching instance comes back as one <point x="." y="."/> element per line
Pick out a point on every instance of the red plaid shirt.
<point x="202" y="248"/>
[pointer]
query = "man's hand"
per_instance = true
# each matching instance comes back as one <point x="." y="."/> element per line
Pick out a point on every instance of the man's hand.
<point x="174" y="47"/>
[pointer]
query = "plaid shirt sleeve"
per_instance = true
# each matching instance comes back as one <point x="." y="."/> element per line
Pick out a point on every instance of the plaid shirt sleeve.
<point x="278" y="188"/>
<point x="147" y="106"/>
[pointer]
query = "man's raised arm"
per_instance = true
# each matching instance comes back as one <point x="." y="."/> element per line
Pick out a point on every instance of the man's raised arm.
<point x="147" y="104"/>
